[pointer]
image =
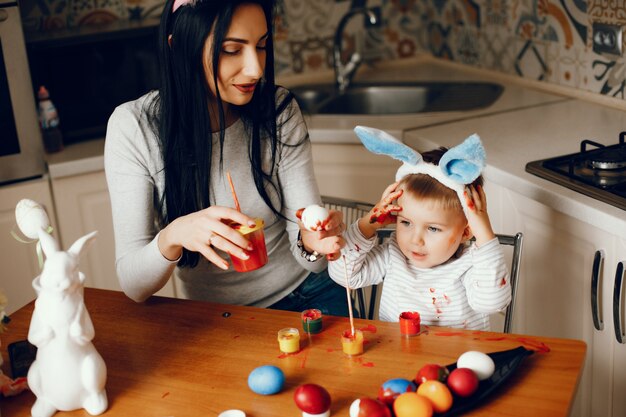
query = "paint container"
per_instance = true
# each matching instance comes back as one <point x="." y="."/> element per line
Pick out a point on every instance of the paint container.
<point x="410" y="323"/>
<point x="312" y="321"/>
<point x="258" y="254"/>
<point x="289" y="340"/>
<point x="352" y="345"/>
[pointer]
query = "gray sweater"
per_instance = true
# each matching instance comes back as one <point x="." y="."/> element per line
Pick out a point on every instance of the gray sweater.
<point x="135" y="177"/>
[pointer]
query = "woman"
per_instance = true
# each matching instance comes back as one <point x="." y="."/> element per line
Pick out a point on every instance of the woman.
<point x="167" y="155"/>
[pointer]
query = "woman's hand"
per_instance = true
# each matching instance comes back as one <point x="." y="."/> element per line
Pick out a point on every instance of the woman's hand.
<point x="205" y="231"/>
<point x="477" y="216"/>
<point x="328" y="241"/>
<point x="383" y="213"/>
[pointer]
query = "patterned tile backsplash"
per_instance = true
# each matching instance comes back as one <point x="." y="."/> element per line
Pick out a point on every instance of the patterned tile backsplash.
<point x="546" y="40"/>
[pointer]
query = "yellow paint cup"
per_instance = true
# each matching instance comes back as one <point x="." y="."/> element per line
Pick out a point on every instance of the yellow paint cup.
<point x="289" y="340"/>
<point x="352" y="345"/>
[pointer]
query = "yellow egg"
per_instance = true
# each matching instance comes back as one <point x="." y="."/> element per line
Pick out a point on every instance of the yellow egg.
<point x="438" y="394"/>
<point x="411" y="404"/>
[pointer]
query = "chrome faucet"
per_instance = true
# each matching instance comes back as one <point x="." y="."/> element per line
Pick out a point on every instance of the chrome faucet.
<point x="345" y="72"/>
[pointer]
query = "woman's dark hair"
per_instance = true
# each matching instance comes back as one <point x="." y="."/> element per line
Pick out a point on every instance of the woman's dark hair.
<point x="179" y="113"/>
<point x="423" y="186"/>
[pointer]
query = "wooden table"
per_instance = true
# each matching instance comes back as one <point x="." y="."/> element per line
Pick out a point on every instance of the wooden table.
<point x="171" y="357"/>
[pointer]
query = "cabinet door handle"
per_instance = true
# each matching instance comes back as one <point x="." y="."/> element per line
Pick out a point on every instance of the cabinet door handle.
<point x="617" y="302"/>
<point x="598" y="260"/>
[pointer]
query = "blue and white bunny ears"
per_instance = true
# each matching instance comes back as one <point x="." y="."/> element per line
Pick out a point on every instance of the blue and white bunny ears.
<point x="459" y="166"/>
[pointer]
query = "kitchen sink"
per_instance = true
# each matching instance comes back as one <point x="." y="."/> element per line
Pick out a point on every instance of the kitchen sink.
<point x="396" y="98"/>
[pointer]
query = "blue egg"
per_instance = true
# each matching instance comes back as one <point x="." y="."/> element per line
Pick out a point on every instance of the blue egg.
<point x="266" y="380"/>
<point x="392" y="388"/>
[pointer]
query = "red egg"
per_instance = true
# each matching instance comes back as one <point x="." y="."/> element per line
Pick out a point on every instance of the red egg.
<point x="367" y="407"/>
<point x="312" y="398"/>
<point x="463" y="382"/>
<point x="432" y="372"/>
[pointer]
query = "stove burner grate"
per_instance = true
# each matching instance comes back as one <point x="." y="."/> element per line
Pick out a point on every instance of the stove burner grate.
<point x="608" y="160"/>
<point x="599" y="173"/>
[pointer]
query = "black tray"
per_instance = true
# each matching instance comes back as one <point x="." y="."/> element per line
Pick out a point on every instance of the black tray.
<point x="506" y="363"/>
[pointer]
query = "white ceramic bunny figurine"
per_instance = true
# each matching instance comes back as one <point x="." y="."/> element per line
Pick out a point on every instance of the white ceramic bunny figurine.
<point x="68" y="372"/>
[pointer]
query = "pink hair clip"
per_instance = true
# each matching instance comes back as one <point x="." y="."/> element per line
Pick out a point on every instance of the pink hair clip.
<point x="178" y="3"/>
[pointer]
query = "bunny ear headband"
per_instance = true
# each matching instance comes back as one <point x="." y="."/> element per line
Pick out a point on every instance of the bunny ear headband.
<point x="459" y="166"/>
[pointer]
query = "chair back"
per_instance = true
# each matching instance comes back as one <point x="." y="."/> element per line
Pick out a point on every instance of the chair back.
<point x="353" y="210"/>
<point x="516" y="242"/>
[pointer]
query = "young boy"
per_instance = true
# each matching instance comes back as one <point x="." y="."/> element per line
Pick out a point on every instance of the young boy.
<point x="429" y="265"/>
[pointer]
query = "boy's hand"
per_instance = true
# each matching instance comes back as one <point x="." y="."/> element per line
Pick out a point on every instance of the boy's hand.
<point x="477" y="216"/>
<point x="383" y="213"/>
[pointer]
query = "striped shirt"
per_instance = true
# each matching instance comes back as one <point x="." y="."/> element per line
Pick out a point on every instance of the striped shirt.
<point x="460" y="293"/>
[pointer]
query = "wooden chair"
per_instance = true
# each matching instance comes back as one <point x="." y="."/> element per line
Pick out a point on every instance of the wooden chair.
<point x="352" y="210"/>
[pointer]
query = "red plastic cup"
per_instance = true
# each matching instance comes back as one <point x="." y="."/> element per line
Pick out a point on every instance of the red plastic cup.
<point x="258" y="254"/>
<point x="409" y="323"/>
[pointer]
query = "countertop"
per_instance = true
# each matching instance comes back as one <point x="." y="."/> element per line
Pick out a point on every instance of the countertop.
<point x="338" y="129"/>
<point x="87" y="156"/>
<point x="513" y="139"/>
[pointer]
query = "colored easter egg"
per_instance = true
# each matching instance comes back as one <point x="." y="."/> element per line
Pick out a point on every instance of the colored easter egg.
<point x="266" y="380"/>
<point x="312" y="399"/>
<point x="432" y="372"/>
<point x="479" y="362"/>
<point x="391" y="389"/>
<point x="438" y="393"/>
<point x="367" y="407"/>
<point x="315" y="217"/>
<point x="463" y="382"/>
<point x="411" y="404"/>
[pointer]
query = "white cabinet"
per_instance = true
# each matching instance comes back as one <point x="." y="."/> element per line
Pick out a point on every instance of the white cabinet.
<point x="83" y="205"/>
<point x="19" y="260"/>
<point x="555" y="292"/>
<point x="618" y="370"/>
<point x="352" y="172"/>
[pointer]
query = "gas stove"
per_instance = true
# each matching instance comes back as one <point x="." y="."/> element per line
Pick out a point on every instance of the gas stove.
<point x="599" y="172"/>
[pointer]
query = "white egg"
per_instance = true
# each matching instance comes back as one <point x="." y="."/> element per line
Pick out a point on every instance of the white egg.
<point x="314" y="217"/>
<point x="355" y="408"/>
<point x="31" y="217"/>
<point x="232" y="413"/>
<point x="479" y="362"/>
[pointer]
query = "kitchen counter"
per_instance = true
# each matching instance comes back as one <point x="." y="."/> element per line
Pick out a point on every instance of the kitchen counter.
<point x="513" y="139"/>
<point x="87" y="156"/>
<point x="76" y="159"/>
<point x="338" y="129"/>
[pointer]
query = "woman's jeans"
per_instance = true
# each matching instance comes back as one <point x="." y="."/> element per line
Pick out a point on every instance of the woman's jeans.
<point x="318" y="291"/>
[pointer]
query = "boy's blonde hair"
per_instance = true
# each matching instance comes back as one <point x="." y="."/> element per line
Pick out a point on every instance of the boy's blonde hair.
<point x="423" y="186"/>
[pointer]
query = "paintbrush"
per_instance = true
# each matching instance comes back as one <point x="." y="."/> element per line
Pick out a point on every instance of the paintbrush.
<point x="345" y="270"/>
<point x="232" y="189"/>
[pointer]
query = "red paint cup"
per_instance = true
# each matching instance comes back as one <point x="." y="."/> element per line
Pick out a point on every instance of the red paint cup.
<point x="258" y="254"/>
<point x="409" y="323"/>
<point x="312" y="320"/>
